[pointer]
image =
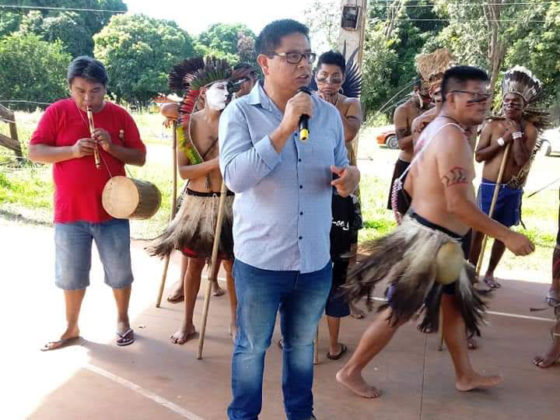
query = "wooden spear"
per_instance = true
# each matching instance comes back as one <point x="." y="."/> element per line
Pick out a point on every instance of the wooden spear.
<point x="213" y="268"/>
<point x="493" y="205"/>
<point x="173" y="208"/>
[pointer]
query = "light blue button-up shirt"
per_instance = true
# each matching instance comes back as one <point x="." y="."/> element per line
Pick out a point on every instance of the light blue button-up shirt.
<point x="282" y="207"/>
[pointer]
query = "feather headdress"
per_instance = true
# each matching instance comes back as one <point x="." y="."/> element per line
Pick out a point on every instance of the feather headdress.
<point x="521" y="81"/>
<point x="432" y="66"/>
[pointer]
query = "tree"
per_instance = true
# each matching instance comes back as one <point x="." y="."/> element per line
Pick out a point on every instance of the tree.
<point x="482" y="32"/>
<point x="74" y="28"/>
<point x="222" y="40"/>
<point x="69" y="28"/>
<point x="138" y="53"/>
<point x="32" y="69"/>
<point x="323" y="19"/>
<point x="396" y="33"/>
<point x="539" y="50"/>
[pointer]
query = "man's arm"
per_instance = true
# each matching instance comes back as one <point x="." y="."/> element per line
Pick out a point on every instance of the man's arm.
<point x="523" y="147"/>
<point x="404" y="136"/>
<point x="128" y="155"/>
<point x="348" y="176"/>
<point x="43" y="153"/>
<point x="352" y="119"/>
<point x="454" y="164"/>
<point x="243" y="165"/>
<point x="486" y="150"/>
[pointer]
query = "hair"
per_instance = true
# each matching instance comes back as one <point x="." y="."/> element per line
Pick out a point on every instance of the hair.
<point x="459" y="76"/>
<point x="333" y="57"/>
<point x="88" y="68"/>
<point x="417" y="82"/>
<point x="271" y="36"/>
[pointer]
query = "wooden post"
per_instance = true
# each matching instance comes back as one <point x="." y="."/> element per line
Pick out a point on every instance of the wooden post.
<point x="11" y="142"/>
<point x="173" y="208"/>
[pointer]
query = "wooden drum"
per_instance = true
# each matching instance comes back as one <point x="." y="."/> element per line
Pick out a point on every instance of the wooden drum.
<point x="129" y="198"/>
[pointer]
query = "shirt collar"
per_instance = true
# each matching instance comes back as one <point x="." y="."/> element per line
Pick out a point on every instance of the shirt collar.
<point x="258" y="96"/>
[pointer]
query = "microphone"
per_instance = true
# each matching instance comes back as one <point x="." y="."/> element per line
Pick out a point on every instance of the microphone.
<point x="304" y="119"/>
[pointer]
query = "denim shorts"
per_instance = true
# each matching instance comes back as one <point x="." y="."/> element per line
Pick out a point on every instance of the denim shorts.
<point x="73" y="253"/>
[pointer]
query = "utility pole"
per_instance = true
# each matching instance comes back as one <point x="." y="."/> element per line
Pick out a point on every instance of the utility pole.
<point x="352" y="29"/>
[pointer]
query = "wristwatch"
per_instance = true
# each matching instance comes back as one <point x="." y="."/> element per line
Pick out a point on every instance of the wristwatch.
<point x="501" y="142"/>
<point x="517" y="135"/>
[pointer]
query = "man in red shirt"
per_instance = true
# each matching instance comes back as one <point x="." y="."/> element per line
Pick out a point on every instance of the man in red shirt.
<point x="63" y="138"/>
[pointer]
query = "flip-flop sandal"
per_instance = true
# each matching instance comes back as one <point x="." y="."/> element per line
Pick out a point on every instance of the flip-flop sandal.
<point x="126" y="338"/>
<point x="492" y="284"/>
<point x="59" y="344"/>
<point x="343" y="349"/>
<point x="176" y="299"/>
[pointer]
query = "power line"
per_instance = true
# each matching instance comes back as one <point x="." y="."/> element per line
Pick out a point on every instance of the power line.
<point x="468" y="20"/>
<point x="71" y="9"/>
<point x="389" y="2"/>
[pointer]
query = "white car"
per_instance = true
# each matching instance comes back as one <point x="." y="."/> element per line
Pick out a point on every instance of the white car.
<point x="551" y="141"/>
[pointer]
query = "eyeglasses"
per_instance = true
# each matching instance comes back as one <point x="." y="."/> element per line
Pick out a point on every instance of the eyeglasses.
<point x="333" y="79"/>
<point x="296" y="57"/>
<point x="475" y="96"/>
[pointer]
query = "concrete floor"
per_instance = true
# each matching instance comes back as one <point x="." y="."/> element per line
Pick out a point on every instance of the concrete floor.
<point x="154" y="379"/>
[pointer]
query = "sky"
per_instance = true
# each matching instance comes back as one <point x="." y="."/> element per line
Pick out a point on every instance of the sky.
<point x="196" y="16"/>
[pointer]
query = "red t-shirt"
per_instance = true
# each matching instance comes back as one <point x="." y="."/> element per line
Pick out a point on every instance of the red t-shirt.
<point x="78" y="183"/>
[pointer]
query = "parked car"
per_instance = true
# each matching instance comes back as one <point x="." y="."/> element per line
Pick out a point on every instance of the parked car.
<point x="551" y="141"/>
<point x="388" y="138"/>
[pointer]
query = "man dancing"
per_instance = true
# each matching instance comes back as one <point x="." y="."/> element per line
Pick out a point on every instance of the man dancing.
<point x="192" y="229"/>
<point x="519" y="89"/>
<point x="422" y="259"/>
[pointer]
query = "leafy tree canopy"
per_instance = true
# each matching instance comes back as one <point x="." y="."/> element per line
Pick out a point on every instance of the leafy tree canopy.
<point x="138" y="53"/>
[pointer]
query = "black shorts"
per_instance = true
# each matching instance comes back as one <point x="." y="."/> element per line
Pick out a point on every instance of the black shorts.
<point x="403" y="198"/>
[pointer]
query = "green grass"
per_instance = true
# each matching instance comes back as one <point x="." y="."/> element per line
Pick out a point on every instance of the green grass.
<point x="28" y="191"/>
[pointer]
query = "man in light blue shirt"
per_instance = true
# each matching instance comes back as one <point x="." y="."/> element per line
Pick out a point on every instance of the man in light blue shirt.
<point x="282" y="216"/>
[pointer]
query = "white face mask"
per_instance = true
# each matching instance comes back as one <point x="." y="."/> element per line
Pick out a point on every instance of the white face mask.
<point x="217" y="96"/>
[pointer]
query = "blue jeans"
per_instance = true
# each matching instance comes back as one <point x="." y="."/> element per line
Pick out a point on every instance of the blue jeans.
<point x="301" y="299"/>
<point x="73" y="253"/>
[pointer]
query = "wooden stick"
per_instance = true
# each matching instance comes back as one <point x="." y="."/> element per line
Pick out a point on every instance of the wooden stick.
<point x="172" y="215"/>
<point x="91" y="130"/>
<point x="213" y="269"/>
<point x="493" y="205"/>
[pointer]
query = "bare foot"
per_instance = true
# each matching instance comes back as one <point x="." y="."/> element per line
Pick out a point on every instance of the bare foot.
<point x="177" y="295"/>
<point x="477" y="381"/>
<point x="217" y="290"/>
<point x="183" y="335"/>
<point x="356" y="384"/>
<point x="553" y="354"/>
<point x="491" y="282"/>
<point x="69" y="337"/>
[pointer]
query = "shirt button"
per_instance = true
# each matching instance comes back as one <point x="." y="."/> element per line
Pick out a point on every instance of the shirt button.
<point x="300" y="187"/>
<point x="299" y="160"/>
<point x="300" y="238"/>
<point x="301" y="213"/>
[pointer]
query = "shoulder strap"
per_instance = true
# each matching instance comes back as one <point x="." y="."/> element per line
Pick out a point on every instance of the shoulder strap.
<point x="415" y="159"/>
